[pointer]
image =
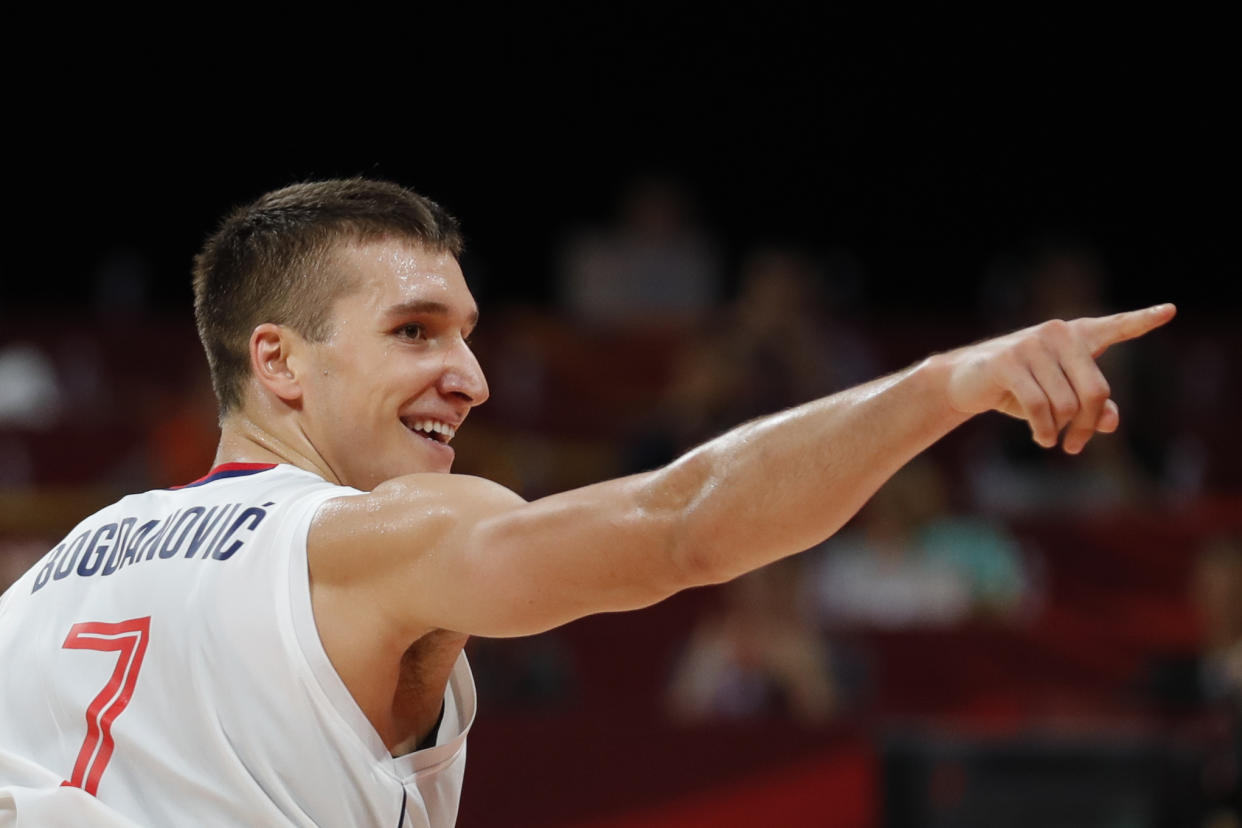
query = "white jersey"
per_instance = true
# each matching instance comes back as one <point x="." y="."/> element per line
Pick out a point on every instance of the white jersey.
<point x="161" y="667"/>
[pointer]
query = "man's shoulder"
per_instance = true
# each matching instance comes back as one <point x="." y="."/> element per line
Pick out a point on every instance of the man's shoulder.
<point x="447" y="487"/>
<point x="402" y="516"/>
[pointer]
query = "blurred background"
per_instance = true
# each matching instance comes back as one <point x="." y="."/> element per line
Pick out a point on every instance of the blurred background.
<point x="675" y="223"/>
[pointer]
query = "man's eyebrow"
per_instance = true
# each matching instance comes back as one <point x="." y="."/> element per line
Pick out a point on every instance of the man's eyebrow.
<point x="428" y="306"/>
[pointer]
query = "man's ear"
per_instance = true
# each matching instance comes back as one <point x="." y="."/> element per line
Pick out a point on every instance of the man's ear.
<point x="271" y="347"/>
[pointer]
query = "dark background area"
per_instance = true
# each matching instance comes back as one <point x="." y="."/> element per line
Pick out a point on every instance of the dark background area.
<point x="924" y="145"/>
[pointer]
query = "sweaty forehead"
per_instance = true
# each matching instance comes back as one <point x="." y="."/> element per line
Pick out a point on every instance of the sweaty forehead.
<point x="389" y="272"/>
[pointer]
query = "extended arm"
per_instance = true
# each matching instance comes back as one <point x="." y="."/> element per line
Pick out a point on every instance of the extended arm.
<point x="460" y="553"/>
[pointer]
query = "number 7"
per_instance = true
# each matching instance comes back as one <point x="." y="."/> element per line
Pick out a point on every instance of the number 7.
<point x="129" y="640"/>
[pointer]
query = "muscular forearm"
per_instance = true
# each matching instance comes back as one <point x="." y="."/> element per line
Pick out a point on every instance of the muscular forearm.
<point x="785" y="482"/>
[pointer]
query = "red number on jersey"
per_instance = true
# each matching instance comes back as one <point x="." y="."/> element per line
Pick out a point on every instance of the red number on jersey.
<point x="129" y="640"/>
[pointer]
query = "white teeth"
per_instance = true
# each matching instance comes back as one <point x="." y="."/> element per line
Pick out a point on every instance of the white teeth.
<point x="434" y="426"/>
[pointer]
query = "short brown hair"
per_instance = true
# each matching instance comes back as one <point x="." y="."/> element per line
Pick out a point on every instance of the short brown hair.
<point x="271" y="261"/>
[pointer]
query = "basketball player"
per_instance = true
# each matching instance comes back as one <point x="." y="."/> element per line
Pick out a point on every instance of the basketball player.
<point x="280" y="643"/>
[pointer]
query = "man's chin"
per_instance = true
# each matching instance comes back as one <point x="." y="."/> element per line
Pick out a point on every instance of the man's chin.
<point x="441" y="460"/>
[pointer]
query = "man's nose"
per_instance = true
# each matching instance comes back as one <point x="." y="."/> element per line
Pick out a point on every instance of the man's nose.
<point x="463" y="376"/>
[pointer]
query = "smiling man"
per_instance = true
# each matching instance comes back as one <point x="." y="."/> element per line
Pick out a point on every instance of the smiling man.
<point x="280" y="642"/>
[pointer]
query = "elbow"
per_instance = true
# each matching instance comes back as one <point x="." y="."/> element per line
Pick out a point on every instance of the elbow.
<point x="705" y="550"/>
<point x="693" y="554"/>
<point x="698" y="563"/>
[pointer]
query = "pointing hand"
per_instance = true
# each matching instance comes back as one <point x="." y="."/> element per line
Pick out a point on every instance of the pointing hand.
<point x="1047" y="375"/>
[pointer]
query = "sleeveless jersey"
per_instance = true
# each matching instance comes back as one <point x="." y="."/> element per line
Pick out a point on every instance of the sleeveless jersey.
<point x="161" y="667"/>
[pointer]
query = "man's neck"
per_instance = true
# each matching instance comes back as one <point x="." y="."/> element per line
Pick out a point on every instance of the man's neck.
<point x="243" y="439"/>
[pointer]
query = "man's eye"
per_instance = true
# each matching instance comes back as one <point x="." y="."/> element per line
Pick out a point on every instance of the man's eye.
<point x="411" y="331"/>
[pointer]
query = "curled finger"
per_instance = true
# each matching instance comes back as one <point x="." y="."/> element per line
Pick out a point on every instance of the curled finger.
<point x="1110" y="418"/>
<point x="1036" y="408"/>
<point x="1091" y="391"/>
<point x="1061" y="394"/>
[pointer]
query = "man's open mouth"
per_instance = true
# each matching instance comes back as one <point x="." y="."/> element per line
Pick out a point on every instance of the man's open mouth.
<point x="433" y="430"/>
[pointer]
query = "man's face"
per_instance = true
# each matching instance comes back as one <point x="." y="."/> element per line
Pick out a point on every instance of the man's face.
<point x="384" y="393"/>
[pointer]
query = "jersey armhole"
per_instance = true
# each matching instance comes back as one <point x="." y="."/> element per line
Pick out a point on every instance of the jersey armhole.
<point x="459" y="699"/>
<point x="304" y="634"/>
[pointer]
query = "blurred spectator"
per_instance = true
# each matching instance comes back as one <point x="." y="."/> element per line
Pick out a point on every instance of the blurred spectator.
<point x="30" y="394"/>
<point x="1216" y="591"/>
<point x="87" y="379"/>
<point x="758" y="656"/>
<point x="1052" y="277"/>
<point x="656" y="266"/>
<point x="513" y="353"/>
<point x="1203" y="447"/>
<point x="789" y="342"/>
<point x="775" y="346"/>
<point x="1202" y="688"/>
<point x="1012" y="476"/>
<point x="908" y="563"/>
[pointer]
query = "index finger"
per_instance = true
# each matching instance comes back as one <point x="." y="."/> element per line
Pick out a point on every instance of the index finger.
<point x="1101" y="332"/>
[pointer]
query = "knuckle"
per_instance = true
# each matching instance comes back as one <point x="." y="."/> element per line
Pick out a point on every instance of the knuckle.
<point x="1011" y="361"/>
<point x="1025" y="356"/>
<point x="1056" y="328"/>
<point x="1054" y="334"/>
<point x="1066" y="409"/>
<point x="1031" y="346"/>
